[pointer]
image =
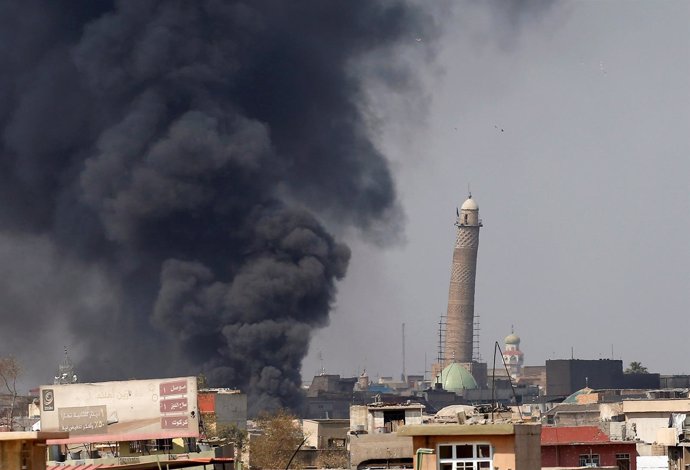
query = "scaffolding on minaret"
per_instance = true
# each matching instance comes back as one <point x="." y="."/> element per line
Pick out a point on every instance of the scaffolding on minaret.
<point x="476" y="353"/>
<point x="441" y="340"/>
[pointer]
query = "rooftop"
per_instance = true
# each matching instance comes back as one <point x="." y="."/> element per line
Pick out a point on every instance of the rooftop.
<point x="32" y="435"/>
<point x="407" y="404"/>
<point x="573" y="435"/>
<point x="456" y="429"/>
<point x="574" y="408"/>
<point x="488" y="429"/>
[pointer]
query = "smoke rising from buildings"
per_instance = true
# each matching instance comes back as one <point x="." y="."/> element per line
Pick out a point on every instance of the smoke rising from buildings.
<point x="168" y="165"/>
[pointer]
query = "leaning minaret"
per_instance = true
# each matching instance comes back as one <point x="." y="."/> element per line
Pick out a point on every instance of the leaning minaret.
<point x="460" y="316"/>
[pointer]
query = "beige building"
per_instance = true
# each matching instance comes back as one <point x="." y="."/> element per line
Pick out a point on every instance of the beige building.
<point x="652" y="419"/>
<point x="503" y="446"/>
<point x="325" y="433"/>
<point x="384" y="418"/>
<point x="25" y="450"/>
<point x="373" y="440"/>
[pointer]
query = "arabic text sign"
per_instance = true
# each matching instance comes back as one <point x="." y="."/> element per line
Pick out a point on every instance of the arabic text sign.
<point x="174" y="422"/>
<point x="79" y="420"/>
<point x="178" y="387"/>
<point x="122" y="410"/>
<point x="173" y="405"/>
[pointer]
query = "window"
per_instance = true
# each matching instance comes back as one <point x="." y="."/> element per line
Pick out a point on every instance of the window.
<point x="164" y="444"/>
<point x="623" y="461"/>
<point x="465" y="457"/>
<point x="335" y="443"/>
<point x="589" y="460"/>
<point x="393" y="419"/>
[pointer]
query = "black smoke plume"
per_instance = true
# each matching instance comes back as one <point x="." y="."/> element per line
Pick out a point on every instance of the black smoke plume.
<point x="165" y="171"/>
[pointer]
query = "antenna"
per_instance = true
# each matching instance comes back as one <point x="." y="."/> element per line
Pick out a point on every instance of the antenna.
<point x="425" y="370"/>
<point x="402" y="377"/>
<point x="493" y="382"/>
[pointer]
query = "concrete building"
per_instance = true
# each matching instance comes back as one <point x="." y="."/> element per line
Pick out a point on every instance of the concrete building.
<point x="662" y="432"/>
<point x="585" y="446"/>
<point x="25" y="450"/>
<point x="658" y="421"/>
<point x="459" y="339"/>
<point x="329" y="396"/>
<point x="675" y="381"/>
<point x="566" y="376"/>
<point x="222" y="407"/>
<point x="496" y="446"/>
<point x="384" y="418"/>
<point x="574" y="414"/>
<point x="373" y="440"/>
<point x="534" y="376"/>
<point x="331" y="383"/>
<point x="326" y="433"/>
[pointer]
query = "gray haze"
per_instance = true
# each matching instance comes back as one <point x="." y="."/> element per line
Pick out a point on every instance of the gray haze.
<point x="585" y="197"/>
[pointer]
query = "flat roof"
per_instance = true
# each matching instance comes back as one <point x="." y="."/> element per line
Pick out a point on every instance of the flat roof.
<point x="658" y="405"/>
<point x="457" y="429"/>
<point x="32" y="435"/>
<point x="376" y="406"/>
<point x="328" y="421"/>
<point x="152" y="465"/>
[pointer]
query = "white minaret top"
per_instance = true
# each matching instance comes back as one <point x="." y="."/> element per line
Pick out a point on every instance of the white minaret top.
<point x="469" y="214"/>
<point x="469" y="205"/>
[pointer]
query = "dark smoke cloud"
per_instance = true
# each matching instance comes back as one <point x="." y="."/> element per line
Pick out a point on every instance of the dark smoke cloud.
<point x="185" y="154"/>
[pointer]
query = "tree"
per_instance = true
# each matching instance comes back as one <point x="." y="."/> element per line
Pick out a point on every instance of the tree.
<point x="636" y="368"/>
<point x="332" y="459"/>
<point x="9" y="372"/>
<point x="201" y="381"/>
<point x="233" y="434"/>
<point x="278" y="442"/>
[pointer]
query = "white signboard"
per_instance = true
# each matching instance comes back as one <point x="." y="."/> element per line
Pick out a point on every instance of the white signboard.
<point x="122" y="411"/>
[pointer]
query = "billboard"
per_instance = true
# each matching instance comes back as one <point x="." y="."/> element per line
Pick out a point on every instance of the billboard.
<point x="121" y="411"/>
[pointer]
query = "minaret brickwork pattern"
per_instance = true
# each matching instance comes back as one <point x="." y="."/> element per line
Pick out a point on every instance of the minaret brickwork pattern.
<point x="460" y="316"/>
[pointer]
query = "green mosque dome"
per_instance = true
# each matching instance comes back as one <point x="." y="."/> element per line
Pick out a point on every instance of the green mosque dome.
<point x="574" y="397"/>
<point x="512" y="339"/>
<point x="455" y="378"/>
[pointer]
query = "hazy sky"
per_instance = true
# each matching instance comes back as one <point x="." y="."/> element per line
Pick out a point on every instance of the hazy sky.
<point x="585" y="197"/>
